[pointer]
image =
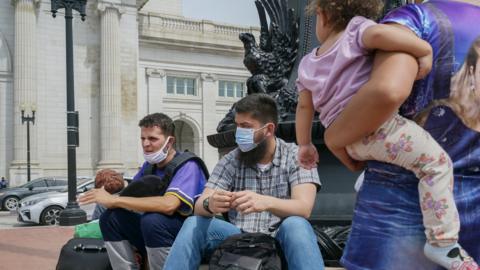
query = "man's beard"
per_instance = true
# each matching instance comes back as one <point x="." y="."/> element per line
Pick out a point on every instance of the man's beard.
<point x="252" y="157"/>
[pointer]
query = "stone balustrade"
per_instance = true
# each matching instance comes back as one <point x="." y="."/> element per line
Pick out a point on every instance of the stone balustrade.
<point x="179" y="23"/>
<point x="160" y="26"/>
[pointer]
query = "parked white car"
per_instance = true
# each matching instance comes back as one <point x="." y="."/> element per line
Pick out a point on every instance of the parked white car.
<point x="45" y="208"/>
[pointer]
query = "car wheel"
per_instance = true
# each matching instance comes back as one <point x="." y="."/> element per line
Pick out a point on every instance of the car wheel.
<point x="50" y="215"/>
<point x="10" y="203"/>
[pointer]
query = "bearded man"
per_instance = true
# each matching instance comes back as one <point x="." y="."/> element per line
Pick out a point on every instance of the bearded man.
<point x="261" y="188"/>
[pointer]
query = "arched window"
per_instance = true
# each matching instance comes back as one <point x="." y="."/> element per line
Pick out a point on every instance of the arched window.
<point x="185" y="137"/>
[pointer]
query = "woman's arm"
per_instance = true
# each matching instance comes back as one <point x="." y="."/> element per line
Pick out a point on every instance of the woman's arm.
<point x="395" y="38"/>
<point x="398" y="38"/>
<point x="389" y="86"/>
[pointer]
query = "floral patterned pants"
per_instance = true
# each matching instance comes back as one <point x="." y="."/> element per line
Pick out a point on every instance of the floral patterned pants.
<point x="402" y="142"/>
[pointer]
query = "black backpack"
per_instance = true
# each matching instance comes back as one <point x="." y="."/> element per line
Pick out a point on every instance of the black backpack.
<point x="248" y="251"/>
<point x="332" y="241"/>
<point x="152" y="185"/>
<point x="84" y="254"/>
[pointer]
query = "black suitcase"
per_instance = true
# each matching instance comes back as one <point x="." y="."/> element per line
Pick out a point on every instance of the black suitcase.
<point x="84" y="254"/>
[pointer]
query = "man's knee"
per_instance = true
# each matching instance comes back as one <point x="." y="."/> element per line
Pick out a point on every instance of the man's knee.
<point x="296" y="227"/>
<point x="105" y="221"/>
<point x="194" y="221"/>
<point x="110" y="222"/>
<point x="195" y="227"/>
<point x="295" y="222"/>
<point x="115" y="215"/>
<point x="160" y="230"/>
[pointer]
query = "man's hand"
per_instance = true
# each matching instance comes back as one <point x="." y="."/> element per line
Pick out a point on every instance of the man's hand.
<point x="344" y="157"/>
<point x="424" y="66"/>
<point x="246" y="202"/>
<point x="97" y="195"/>
<point x="307" y="156"/>
<point x="220" y="201"/>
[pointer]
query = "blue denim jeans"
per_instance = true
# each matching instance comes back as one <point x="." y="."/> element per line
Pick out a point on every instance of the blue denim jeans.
<point x="387" y="230"/>
<point x="200" y="236"/>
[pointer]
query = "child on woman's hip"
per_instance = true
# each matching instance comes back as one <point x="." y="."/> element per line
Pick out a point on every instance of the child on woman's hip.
<point x="329" y="77"/>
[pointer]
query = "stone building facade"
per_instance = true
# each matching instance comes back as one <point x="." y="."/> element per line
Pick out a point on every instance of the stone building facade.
<point x="132" y="57"/>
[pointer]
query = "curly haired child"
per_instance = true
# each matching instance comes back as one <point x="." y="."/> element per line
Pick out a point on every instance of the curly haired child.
<point x="111" y="180"/>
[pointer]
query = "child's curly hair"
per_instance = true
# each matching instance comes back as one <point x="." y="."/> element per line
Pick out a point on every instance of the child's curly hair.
<point x="110" y="179"/>
<point x="340" y="12"/>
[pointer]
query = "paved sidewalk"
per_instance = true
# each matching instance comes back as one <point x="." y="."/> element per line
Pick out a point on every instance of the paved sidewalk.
<point x="32" y="247"/>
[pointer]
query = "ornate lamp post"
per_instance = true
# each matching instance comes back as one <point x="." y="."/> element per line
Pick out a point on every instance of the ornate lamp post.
<point x="28" y="119"/>
<point x="72" y="214"/>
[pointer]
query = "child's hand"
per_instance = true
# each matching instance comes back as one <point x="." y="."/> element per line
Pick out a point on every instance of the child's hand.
<point x="307" y="156"/>
<point x="424" y="66"/>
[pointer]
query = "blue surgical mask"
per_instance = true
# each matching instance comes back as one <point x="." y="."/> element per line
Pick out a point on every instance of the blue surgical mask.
<point x="159" y="156"/>
<point x="245" y="138"/>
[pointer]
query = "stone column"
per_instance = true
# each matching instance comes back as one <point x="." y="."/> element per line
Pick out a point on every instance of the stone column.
<point x="6" y="108"/>
<point x="110" y="87"/>
<point x="209" y="85"/>
<point x="25" y="88"/>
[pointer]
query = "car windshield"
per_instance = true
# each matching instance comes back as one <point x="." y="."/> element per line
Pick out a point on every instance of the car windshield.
<point x="26" y="185"/>
<point x="80" y="182"/>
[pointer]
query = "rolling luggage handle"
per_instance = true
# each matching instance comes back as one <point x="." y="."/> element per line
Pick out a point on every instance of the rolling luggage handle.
<point x="242" y="243"/>
<point x="89" y="248"/>
<point x="83" y="254"/>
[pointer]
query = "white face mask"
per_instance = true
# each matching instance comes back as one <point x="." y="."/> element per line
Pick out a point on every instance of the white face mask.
<point x="159" y="156"/>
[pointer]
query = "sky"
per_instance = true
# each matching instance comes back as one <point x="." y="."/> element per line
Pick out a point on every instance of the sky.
<point x="237" y="12"/>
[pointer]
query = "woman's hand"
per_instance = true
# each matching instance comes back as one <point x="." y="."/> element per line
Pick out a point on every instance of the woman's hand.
<point x="424" y="66"/>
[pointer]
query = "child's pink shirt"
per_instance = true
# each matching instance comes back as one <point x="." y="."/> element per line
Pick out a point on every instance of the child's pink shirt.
<point x="336" y="75"/>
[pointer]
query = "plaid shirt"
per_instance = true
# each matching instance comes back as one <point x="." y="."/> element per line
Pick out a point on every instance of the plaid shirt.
<point x="276" y="181"/>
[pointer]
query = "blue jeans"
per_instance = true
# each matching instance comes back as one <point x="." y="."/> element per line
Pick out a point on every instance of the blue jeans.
<point x="387" y="230"/>
<point x="200" y="236"/>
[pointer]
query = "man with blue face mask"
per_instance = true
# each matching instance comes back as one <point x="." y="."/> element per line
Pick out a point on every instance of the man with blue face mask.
<point x="149" y="225"/>
<point x="261" y="188"/>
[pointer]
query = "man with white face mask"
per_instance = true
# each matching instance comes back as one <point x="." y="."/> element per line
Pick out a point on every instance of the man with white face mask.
<point x="149" y="225"/>
<point x="261" y="187"/>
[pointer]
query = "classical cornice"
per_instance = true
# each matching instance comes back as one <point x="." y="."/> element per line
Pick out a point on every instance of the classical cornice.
<point x="155" y="73"/>
<point x="102" y="6"/>
<point x="34" y="2"/>
<point x="208" y="77"/>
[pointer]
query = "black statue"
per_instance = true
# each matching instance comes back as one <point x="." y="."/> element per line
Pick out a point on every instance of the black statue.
<point x="271" y="61"/>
